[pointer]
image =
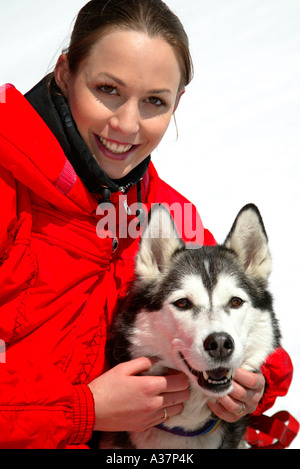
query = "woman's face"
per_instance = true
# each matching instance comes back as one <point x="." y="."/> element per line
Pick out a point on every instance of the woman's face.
<point x="122" y="97"/>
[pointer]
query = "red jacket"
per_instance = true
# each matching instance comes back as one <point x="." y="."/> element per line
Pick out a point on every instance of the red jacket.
<point x="60" y="281"/>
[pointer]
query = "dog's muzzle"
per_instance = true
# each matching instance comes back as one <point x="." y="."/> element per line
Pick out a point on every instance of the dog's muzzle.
<point x="219" y="346"/>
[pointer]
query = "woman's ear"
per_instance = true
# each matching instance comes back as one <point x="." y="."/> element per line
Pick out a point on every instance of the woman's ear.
<point x="180" y="93"/>
<point x="62" y="74"/>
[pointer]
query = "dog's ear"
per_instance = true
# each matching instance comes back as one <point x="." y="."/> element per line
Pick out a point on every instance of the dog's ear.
<point x="248" y="239"/>
<point x="159" y="242"/>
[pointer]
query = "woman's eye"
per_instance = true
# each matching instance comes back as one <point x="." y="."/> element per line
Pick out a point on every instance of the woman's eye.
<point x="236" y="302"/>
<point x="108" y="89"/>
<point x="155" y="101"/>
<point x="183" y="304"/>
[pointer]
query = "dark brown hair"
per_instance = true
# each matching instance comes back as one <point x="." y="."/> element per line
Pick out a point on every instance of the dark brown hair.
<point x="152" y="17"/>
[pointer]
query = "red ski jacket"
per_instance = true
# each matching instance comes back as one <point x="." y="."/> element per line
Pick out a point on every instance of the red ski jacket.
<point x="62" y="270"/>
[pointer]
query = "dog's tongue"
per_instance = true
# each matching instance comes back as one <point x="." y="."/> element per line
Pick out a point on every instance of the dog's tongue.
<point x="218" y="373"/>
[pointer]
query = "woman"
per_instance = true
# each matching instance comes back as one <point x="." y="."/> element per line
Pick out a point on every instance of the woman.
<point x="75" y="148"/>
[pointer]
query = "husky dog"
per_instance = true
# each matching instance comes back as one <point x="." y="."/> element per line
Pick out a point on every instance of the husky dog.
<point x="204" y="312"/>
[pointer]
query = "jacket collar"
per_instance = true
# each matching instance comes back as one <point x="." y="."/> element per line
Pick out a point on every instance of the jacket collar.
<point x="47" y="100"/>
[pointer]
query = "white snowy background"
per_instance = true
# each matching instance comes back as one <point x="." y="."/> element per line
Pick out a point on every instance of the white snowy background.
<point x="238" y="122"/>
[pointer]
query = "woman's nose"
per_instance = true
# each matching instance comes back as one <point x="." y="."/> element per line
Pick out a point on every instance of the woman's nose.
<point x="126" y="119"/>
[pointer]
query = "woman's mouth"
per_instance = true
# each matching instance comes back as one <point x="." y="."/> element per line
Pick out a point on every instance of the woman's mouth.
<point x="112" y="149"/>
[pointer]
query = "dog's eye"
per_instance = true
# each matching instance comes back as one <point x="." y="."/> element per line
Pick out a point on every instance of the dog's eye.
<point x="235" y="302"/>
<point x="183" y="304"/>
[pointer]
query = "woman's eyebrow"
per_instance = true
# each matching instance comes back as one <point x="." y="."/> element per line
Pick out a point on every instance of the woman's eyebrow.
<point x="111" y="77"/>
<point x="121" y="83"/>
<point x="163" y="90"/>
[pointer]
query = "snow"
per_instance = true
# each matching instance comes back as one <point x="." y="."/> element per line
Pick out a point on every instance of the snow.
<point x="238" y="122"/>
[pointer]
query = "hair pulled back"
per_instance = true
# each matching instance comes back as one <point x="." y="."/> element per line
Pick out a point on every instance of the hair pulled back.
<point x="152" y="17"/>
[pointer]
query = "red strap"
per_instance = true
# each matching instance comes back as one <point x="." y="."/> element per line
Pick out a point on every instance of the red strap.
<point x="276" y="432"/>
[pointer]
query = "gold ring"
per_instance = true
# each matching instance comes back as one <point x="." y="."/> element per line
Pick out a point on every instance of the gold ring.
<point x="165" y="415"/>
<point x="240" y="412"/>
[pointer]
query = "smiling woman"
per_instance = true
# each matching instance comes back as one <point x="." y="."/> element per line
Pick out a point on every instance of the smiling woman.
<point x="122" y="97"/>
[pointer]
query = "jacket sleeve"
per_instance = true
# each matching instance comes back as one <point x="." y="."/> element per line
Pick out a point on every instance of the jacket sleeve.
<point x="83" y="415"/>
<point x="278" y="373"/>
<point x="40" y="408"/>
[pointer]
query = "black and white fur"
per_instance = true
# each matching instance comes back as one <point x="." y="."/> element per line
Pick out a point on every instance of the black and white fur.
<point x="202" y="311"/>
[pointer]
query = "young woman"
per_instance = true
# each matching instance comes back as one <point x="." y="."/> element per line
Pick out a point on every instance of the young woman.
<point x="74" y="162"/>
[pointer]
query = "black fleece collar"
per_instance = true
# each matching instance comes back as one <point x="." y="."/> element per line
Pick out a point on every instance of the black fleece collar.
<point x="54" y="110"/>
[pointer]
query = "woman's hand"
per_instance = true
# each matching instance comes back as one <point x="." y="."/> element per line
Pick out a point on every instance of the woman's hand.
<point x="248" y="389"/>
<point x="125" y="401"/>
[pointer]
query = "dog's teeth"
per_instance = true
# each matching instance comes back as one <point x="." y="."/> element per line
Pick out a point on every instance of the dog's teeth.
<point x="223" y="380"/>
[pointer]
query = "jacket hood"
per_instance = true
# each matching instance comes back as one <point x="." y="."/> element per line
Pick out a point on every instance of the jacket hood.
<point x="30" y="151"/>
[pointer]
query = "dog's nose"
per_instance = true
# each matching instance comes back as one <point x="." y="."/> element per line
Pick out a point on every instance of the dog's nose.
<point x="219" y="345"/>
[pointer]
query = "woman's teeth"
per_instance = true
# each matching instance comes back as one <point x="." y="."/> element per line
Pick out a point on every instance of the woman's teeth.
<point x="117" y="148"/>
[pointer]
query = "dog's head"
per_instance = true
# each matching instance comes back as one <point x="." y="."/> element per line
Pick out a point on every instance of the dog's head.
<point x="204" y="311"/>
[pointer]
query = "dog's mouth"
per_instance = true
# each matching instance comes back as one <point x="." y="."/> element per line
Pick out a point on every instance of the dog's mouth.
<point x="217" y="380"/>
